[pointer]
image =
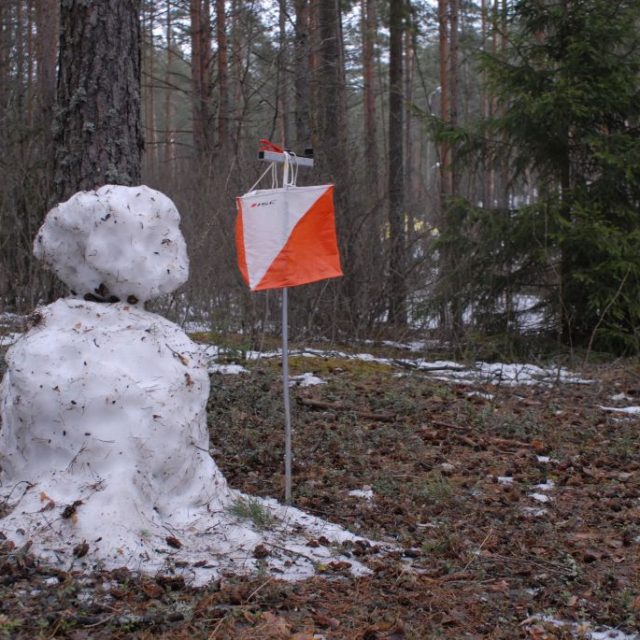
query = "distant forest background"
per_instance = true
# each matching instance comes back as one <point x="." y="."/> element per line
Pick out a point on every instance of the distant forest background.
<point x="486" y="155"/>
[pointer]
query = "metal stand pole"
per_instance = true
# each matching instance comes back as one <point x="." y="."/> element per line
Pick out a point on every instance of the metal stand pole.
<point x="287" y="405"/>
<point x="297" y="161"/>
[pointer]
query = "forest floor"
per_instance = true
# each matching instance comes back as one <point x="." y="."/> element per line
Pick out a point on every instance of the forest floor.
<point x="515" y="510"/>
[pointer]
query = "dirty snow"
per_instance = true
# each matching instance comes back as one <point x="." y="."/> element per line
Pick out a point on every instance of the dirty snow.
<point x="116" y="241"/>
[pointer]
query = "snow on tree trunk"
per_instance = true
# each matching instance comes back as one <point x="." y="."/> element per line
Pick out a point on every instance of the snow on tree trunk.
<point x="104" y="447"/>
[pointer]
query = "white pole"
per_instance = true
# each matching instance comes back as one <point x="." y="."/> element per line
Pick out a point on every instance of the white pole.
<point x="287" y="405"/>
<point x="307" y="162"/>
<point x="285" y="364"/>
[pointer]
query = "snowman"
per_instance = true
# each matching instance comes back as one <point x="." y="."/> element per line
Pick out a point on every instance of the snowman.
<point x="104" y="447"/>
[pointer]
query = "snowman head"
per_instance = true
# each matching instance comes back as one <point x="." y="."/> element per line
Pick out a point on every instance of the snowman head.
<point x="116" y="243"/>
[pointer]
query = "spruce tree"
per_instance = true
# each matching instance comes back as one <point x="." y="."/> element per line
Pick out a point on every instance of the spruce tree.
<point x="568" y="90"/>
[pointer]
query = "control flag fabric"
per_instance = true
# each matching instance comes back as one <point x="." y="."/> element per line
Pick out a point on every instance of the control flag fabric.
<point x="287" y="237"/>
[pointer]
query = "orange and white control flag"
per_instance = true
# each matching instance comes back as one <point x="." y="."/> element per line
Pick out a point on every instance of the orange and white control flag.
<point x="287" y="237"/>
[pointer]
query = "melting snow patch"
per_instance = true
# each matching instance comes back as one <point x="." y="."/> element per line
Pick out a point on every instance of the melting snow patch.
<point x="365" y="492"/>
<point x="511" y="374"/>
<point x="305" y="380"/>
<point x="227" y="369"/>
<point x="627" y="410"/>
<point x="540" y="497"/>
<point x="406" y="346"/>
<point x="582" y="629"/>
<point x="505" y="480"/>
<point x="618" y="397"/>
<point x="534" y="512"/>
<point x="449" y="371"/>
<point x="480" y="394"/>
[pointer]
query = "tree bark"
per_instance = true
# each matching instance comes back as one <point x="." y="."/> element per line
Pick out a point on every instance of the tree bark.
<point x="397" y="258"/>
<point x="223" y="75"/>
<point x="47" y="27"/>
<point x="168" y="97"/>
<point x="302" y="90"/>
<point x="98" y="133"/>
<point x="454" y="73"/>
<point x="148" y="64"/>
<point x="450" y="277"/>
<point x="201" y="78"/>
<point x="330" y="135"/>
<point x="443" y="39"/>
<point x="369" y="30"/>
<point x="282" y="79"/>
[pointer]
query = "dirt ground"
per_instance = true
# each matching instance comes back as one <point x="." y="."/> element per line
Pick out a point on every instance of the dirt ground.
<point x="515" y="509"/>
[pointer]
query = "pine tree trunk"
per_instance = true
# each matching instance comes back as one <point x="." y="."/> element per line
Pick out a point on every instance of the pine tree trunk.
<point x="330" y="133"/>
<point x="47" y="25"/>
<point x="168" y="98"/>
<point x="282" y="74"/>
<point x="98" y="132"/>
<point x="301" y="74"/>
<point x="450" y="277"/>
<point x="148" y="63"/>
<point x="454" y="74"/>
<point x="201" y="78"/>
<point x="397" y="258"/>
<point x="369" y="30"/>
<point x="443" y="39"/>
<point x="30" y="65"/>
<point x="223" y="75"/>
<point x="4" y="58"/>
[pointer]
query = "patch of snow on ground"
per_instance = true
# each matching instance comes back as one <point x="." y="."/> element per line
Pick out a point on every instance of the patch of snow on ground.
<point x="365" y="492"/>
<point x="511" y="374"/>
<point x="627" y="410"/>
<point x="418" y="345"/>
<point x="227" y="369"/>
<point x="540" y="497"/>
<point x="8" y="339"/>
<point x="449" y="371"/>
<point x="305" y="380"/>
<point x="480" y="394"/>
<point x="582" y="629"/>
<point x="619" y="397"/>
<point x="534" y="512"/>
